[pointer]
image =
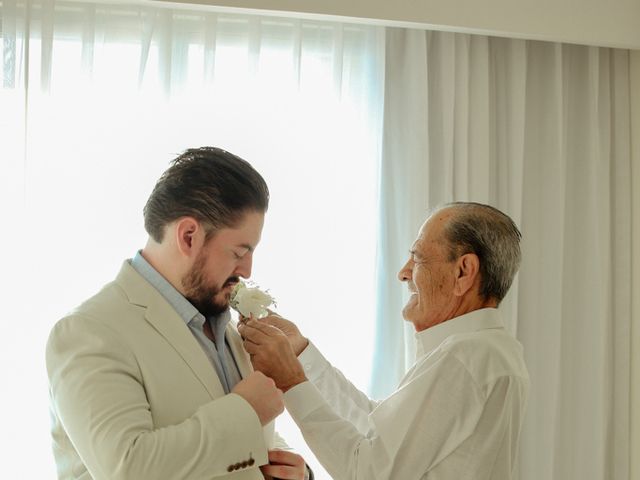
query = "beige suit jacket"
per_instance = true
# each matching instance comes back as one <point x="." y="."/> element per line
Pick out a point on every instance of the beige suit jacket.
<point x="133" y="395"/>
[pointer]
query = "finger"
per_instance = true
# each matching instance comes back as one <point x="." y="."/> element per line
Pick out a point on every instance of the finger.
<point x="253" y="333"/>
<point x="285" y="457"/>
<point x="283" y="472"/>
<point x="242" y="330"/>
<point x="241" y="327"/>
<point x="250" y="347"/>
<point x="265" y="328"/>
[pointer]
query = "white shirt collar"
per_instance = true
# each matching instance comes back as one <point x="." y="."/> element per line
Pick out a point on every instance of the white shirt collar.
<point x="484" y="318"/>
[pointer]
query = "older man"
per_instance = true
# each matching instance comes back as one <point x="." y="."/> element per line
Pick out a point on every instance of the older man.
<point x="458" y="412"/>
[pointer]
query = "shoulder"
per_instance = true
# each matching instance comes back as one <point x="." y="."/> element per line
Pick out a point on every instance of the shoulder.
<point x="100" y="315"/>
<point x="487" y="355"/>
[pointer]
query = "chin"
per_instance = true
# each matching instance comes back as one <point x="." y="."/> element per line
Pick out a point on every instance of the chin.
<point x="409" y="311"/>
<point x="222" y="305"/>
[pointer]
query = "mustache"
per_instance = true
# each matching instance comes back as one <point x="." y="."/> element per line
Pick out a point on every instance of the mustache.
<point x="231" y="281"/>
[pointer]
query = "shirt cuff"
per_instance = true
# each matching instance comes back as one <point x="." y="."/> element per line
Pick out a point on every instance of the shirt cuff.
<point x="303" y="399"/>
<point x="313" y="362"/>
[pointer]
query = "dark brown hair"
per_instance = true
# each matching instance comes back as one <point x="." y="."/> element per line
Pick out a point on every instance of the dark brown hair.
<point x="209" y="184"/>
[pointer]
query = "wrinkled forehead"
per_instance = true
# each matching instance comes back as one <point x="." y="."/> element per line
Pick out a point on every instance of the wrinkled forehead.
<point x="433" y="226"/>
<point x="430" y="233"/>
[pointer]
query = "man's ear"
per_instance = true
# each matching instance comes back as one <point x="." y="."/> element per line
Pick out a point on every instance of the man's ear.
<point x="467" y="273"/>
<point x="189" y="236"/>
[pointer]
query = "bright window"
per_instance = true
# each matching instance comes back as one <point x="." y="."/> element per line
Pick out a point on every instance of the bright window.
<point x="112" y="94"/>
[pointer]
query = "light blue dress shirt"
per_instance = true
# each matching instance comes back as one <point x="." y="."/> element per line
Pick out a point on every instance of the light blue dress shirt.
<point x="218" y="352"/>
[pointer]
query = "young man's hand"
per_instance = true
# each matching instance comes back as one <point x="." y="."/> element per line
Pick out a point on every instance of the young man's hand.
<point x="284" y="465"/>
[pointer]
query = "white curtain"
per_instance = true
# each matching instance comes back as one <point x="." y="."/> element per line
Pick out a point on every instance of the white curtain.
<point x="96" y="99"/>
<point x="635" y="260"/>
<point x="541" y="131"/>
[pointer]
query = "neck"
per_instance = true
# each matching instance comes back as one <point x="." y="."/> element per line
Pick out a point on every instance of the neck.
<point x="466" y="304"/>
<point x="164" y="263"/>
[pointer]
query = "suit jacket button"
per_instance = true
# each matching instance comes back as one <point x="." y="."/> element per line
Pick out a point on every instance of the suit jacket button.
<point x="230" y="468"/>
<point x="244" y="464"/>
<point x="251" y="461"/>
<point x="238" y="465"/>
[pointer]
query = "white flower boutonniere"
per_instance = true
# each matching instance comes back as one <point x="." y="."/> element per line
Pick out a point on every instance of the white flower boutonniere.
<point x="249" y="301"/>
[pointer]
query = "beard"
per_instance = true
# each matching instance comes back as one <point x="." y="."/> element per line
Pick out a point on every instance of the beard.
<point x="202" y="293"/>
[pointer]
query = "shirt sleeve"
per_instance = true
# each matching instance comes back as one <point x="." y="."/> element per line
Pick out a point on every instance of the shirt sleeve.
<point x="341" y="395"/>
<point x="409" y="433"/>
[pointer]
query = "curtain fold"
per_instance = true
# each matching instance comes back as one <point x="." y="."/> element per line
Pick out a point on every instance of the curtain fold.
<point x="635" y="260"/>
<point x="541" y="131"/>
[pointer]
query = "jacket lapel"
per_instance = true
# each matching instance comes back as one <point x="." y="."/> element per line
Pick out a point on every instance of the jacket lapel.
<point x="239" y="353"/>
<point x="243" y="360"/>
<point x="168" y="323"/>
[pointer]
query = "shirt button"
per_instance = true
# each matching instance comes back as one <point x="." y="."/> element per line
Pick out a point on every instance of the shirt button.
<point x="307" y="367"/>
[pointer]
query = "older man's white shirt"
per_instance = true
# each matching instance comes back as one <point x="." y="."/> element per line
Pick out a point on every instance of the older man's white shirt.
<point x="457" y="413"/>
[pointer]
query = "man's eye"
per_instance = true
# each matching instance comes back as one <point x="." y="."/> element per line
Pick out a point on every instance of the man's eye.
<point x="237" y="256"/>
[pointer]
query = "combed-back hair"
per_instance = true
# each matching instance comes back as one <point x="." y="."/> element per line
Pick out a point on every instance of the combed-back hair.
<point x="209" y="184"/>
<point x="493" y="237"/>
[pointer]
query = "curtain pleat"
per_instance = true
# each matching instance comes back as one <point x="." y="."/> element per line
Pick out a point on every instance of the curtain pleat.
<point x="254" y="46"/>
<point x="165" y="49"/>
<point x="211" y="22"/>
<point x="47" y="17"/>
<point x="622" y="250"/>
<point x="338" y="57"/>
<point x="296" y="54"/>
<point x="147" y="24"/>
<point x="8" y="25"/>
<point x="88" y="39"/>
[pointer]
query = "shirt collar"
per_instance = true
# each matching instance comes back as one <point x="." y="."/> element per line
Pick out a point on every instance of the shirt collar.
<point x="180" y="304"/>
<point x="484" y="318"/>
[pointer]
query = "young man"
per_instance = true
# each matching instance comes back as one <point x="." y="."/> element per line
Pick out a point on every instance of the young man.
<point x="148" y="378"/>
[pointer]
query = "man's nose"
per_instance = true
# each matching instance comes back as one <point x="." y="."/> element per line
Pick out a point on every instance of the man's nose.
<point x="405" y="272"/>
<point x="243" y="269"/>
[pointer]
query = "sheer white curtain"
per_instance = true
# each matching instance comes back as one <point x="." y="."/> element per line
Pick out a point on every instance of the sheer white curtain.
<point x="96" y="99"/>
<point x="542" y="131"/>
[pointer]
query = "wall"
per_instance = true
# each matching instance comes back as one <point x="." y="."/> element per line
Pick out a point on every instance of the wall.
<point x="614" y="23"/>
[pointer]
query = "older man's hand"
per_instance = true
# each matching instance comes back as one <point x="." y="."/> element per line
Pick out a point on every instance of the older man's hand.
<point x="297" y="341"/>
<point x="271" y="353"/>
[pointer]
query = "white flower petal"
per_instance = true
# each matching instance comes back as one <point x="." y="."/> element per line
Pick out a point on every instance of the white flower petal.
<point x="250" y="301"/>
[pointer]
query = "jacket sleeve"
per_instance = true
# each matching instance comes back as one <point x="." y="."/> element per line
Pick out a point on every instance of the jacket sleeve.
<point x="98" y="395"/>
